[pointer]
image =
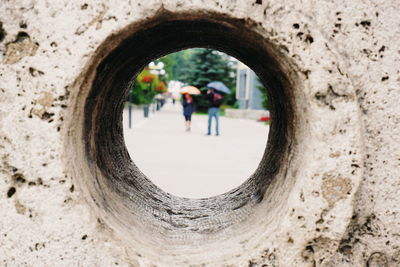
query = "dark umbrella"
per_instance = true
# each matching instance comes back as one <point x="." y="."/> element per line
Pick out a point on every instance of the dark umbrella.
<point x="219" y="86"/>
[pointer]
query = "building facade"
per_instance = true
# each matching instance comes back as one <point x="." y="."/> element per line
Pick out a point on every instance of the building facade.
<point x="248" y="88"/>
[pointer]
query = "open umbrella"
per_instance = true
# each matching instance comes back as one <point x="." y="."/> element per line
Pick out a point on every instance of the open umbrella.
<point x="191" y="90"/>
<point x="219" y="86"/>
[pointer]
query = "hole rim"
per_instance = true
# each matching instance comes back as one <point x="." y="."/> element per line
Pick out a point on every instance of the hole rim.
<point x="281" y="120"/>
<point x="178" y="235"/>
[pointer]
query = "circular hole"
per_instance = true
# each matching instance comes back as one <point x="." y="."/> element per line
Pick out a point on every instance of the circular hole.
<point x="180" y="156"/>
<point x="155" y="223"/>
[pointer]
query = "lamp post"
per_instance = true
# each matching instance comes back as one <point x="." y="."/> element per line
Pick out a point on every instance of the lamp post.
<point x="157" y="69"/>
<point x="149" y="76"/>
<point x="146" y="105"/>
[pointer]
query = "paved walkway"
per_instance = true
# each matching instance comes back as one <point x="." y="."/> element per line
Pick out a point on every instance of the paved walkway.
<point x="191" y="164"/>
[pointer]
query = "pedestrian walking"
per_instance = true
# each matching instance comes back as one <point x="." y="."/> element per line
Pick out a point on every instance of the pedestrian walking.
<point x="188" y="108"/>
<point x="215" y="101"/>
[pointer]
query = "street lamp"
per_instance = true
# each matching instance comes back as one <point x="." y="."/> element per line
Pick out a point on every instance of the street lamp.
<point x="157" y="69"/>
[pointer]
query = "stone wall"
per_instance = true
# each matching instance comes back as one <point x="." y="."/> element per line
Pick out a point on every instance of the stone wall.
<point x="326" y="191"/>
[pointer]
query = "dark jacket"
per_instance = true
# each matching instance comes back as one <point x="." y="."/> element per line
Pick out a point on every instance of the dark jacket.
<point x="188" y="108"/>
<point x="213" y="102"/>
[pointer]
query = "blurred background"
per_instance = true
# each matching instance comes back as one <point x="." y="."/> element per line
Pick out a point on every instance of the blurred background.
<point x="188" y="162"/>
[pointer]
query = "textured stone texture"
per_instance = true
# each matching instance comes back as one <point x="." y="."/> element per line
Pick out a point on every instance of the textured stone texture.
<point x="337" y="203"/>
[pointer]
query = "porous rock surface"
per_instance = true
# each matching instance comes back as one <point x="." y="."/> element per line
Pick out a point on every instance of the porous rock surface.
<point x="333" y="203"/>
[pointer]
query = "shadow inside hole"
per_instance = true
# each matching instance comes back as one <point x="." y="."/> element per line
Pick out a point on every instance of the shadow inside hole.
<point x="118" y="181"/>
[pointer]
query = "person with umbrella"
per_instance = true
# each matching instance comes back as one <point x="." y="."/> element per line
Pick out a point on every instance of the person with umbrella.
<point x="188" y="104"/>
<point x="215" y="101"/>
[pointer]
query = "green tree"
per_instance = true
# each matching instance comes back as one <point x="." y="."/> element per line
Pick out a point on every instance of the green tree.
<point x="177" y="64"/>
<point x="197" y="67"/>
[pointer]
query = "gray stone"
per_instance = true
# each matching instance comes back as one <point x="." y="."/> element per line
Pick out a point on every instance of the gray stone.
<point x="325" y="193"/>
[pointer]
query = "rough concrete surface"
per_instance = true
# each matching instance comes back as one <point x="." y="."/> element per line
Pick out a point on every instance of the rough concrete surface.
<point x="332" y="200"/>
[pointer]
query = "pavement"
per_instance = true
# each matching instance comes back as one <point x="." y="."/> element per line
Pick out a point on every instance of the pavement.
<point x="191" y="164"/>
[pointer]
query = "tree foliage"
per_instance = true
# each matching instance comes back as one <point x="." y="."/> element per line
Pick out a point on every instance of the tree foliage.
<point x="196" y="67"/>
<point x="207" y="65"/>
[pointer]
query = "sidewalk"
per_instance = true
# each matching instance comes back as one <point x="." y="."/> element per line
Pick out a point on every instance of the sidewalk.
<point x="191" y="164"/>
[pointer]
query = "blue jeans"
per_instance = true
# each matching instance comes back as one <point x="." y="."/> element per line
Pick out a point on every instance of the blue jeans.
<point x="213" y="112"/>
